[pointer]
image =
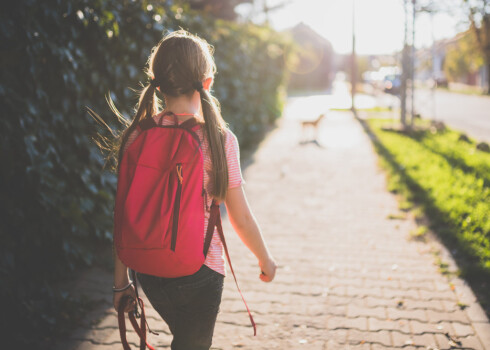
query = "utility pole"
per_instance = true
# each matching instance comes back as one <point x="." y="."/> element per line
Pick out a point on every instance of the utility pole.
<point x="403" y="92"/>
<point x="431" y="9"/>
<point x="353" y="58"/>
<point x="433" y="66"/>
<point x="266" y="11"/>
<point x="412" y="67"/>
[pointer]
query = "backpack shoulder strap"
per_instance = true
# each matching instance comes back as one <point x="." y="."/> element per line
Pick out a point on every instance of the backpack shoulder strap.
<point x="146" y="124"/>
<point x="190" y="124"/>
<point x="213" y="218"/>
<point x="169" y="113"/>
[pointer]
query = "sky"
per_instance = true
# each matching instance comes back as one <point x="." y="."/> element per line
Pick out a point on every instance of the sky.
<point x="379" y="24"/>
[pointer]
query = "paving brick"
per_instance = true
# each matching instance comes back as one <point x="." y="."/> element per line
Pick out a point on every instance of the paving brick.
<point x="339" y="336"/>
<point x="88" y="345"/>
<point x="359" y="323"/>
<point x="396" y="314"/>
<point x="456" y="316"/>
<point x="435" y="305"/>
<point x="446" y="295"/>
<point x="471" y="342"/>
<point x="358" y="337"/>
<point x="427" y="285"/>
<point x="375" y="324"/>
<point x="425" y="327"/>
<point x="405" y="340"/>
<point x="356" y="311"/>
<point x="482" y="330"/>
<point x="335" y="310"/>
<point x="401" y="293"/>
<point x="427" y="340"/>
<point x="462" y="330"/>
<point x="373" y="301"/>
<point x="475" y="313"/>
<point x="442" y="341"/>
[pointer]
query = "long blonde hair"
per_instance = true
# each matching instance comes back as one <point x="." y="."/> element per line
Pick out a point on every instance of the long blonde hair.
<point x="178" y="64"/>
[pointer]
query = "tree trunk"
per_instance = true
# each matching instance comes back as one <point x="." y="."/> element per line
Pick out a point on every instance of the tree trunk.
<point x="488" y="77"/>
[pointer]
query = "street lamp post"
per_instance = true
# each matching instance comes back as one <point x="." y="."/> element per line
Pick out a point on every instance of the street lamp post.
<point x="353" y="58"/>
<point x="430" y="9"/>
<point x="412" y="67"/>
<point x="403" y="92"/>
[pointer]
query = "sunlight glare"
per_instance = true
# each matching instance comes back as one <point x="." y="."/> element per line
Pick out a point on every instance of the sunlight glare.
<point x="379" y="23"/>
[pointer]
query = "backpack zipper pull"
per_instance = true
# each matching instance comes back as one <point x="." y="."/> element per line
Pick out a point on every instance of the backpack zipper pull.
<point x="176" y="214"/>
<point x="179" y="172"/>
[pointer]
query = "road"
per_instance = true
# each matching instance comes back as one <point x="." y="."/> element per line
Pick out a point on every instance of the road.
<point x="467" y="113"/>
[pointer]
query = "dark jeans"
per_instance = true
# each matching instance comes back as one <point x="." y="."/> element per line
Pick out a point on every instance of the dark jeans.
<point x="188" y="304"/>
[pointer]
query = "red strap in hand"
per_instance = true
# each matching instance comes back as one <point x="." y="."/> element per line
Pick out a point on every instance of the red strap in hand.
<point x="139" y="329"/>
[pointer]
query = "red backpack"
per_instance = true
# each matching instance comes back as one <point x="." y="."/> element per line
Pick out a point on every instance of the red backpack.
<point x="159" y="209"/>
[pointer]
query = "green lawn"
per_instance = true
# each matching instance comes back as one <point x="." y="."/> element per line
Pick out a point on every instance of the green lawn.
<point x="450" y="180"/>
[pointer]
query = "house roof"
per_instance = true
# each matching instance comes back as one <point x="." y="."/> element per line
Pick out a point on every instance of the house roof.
<point x="302" y="32"/>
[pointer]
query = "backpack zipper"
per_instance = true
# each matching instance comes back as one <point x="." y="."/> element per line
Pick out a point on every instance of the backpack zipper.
<point x="175" y="224"/>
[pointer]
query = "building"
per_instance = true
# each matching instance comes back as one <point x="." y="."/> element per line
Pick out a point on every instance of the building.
<point x="430" y="64"/>
<point x="312" y="67"/>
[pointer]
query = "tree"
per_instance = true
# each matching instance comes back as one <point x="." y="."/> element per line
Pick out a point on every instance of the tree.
<point x="479" y="15"/>
<point x="224" y="9"/>
<point x="463" y="57"/>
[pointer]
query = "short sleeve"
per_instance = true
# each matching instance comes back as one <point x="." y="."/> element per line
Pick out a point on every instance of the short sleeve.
<point x="232" y="150"/>
<point x="134" y="134"/>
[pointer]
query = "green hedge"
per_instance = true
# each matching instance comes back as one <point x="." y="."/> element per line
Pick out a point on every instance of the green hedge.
<point x="57" y="58"/>
<point x="450" y="179"/>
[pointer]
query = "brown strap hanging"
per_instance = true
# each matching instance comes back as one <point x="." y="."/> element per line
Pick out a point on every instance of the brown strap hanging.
<point x="215" y="221"/>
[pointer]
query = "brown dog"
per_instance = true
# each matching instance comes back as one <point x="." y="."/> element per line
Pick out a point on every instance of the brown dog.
<point x="312" y="124"/>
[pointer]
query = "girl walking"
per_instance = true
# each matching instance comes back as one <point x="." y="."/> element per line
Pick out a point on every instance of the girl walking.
<point x="182" y="68"/>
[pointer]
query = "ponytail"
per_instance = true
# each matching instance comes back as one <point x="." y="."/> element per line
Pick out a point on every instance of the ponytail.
<point x="148" y="106"/>
<point x="215" y="130"/>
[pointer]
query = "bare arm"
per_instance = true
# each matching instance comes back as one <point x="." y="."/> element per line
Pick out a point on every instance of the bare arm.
<point x="121" y="276"/>
<point x="121" y="279"/>
<point x="248" y="230"/>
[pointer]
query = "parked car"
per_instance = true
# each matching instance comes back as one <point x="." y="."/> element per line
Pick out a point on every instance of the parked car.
<point x="392" y="83"/>
<point x="441" y="81"/>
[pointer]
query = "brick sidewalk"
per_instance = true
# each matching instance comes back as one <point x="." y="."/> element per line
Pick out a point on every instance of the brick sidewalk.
<point x="349" y="277"/>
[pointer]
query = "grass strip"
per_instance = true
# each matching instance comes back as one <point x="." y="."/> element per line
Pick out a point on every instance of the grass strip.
<point x="450" y="180"/>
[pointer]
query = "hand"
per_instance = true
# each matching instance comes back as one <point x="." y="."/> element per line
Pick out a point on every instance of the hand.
<point x="268" y="269"/>
<point x="117" y="296"/>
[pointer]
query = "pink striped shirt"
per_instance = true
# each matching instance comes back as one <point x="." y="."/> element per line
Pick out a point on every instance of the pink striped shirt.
<point x="215" y="258"/>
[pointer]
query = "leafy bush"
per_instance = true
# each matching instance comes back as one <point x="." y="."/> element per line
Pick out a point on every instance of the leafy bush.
<point x="57" y="58"/>
<point x="450" y="179"/>
<point x="250" y="83"/>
